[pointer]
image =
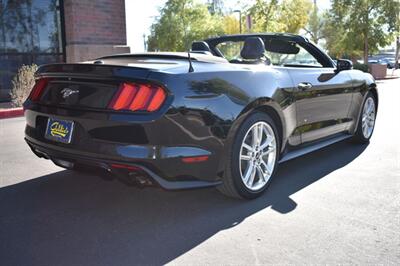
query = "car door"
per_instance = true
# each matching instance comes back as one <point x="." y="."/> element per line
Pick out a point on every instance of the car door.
<point x="322" y="96"/>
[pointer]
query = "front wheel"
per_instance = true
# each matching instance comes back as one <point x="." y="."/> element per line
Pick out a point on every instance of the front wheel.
<point x="366" y="123"/>
<point x="253" y="158"/>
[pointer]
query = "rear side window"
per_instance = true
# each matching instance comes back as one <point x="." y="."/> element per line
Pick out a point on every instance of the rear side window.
<point x="230" y="50"/>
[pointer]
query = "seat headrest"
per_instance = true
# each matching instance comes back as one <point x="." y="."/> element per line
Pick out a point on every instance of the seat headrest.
<point x="253" y="48"/>
<point x="200" y="46"/>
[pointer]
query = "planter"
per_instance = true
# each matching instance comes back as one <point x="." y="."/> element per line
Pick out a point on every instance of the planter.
<point x="378" y="71"/>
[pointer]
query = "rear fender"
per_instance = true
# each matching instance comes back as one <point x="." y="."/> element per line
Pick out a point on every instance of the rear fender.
<point x="265" y="105"/>
<point x="269" y="106"/>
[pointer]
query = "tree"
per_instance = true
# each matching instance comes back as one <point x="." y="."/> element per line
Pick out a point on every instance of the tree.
<point x="397" y="54"/>
<point x="336" y="39"/>
<point x="357" y="27"/>
<point x="231" y="25"/>
<point x="280" y="16"/>
<point x="264" y="15"/>
<point x="180" y="23"/>
<point x="315" y="25"/>
<point x="294" y="15"/>
<point x="216" y="6"/>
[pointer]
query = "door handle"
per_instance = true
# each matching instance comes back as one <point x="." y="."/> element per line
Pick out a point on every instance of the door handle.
<point x="304" y="86"/>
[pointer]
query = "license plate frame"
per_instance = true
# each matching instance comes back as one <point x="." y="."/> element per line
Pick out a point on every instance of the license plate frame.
<point x="59" y="130"/>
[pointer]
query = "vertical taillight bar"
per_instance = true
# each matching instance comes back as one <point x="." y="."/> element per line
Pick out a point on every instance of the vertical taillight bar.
<point x="138" y="97"/>
<point x="38" y="89"/>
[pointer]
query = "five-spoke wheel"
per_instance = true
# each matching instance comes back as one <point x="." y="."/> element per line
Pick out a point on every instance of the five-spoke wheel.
<point x="257" y="156"/>
<point x="253" y="158"/>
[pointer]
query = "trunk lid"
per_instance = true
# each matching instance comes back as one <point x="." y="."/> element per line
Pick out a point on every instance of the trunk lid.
<point x="85" y="86"/>
<point x="79" y="93"/>
<point x="93" y="84"/>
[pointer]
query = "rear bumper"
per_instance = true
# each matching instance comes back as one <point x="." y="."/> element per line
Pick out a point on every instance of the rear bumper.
<point x="157" y="146"/>
<point x="150" y="169"/>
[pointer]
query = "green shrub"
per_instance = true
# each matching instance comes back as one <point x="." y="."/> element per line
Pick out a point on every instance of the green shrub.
<point x="22" y="84"/>
<point x="362" y="67"/>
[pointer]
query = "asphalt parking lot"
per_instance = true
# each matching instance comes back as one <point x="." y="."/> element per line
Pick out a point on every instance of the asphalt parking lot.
<point x="340" y="205"/>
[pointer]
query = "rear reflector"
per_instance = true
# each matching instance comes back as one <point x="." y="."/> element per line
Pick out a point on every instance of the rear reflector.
<point x="138" y="97"/>
<point x="38" y="89"/>
<point x="196" y="159"/>
<point x="124" y="166"/>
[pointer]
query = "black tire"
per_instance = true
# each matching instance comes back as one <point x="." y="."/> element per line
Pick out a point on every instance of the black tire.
<point x="359" y="135"/>
<point x="233" y="185"/>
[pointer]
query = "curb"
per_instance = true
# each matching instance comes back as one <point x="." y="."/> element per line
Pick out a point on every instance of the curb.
<point x="12" y="112"/>
<point x="387" y="77"/>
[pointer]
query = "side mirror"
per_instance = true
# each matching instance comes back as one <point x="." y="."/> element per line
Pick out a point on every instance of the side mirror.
<point x="343" y="64"/>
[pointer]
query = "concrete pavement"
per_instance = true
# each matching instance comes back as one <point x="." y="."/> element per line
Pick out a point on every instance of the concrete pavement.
<point x="340" y="205"/>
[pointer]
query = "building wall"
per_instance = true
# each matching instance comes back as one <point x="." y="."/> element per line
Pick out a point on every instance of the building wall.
<point x="30" y="33"/>
<point x="94" y="28"/>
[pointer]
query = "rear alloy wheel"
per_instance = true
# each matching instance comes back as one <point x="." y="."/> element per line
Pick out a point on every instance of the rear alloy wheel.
<point x="366" y="122"/>
<point x="257" y="156"/>
<point x="253" y="158"/>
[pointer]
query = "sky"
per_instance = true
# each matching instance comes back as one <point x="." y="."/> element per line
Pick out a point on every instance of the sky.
<point x="141" y="14"/>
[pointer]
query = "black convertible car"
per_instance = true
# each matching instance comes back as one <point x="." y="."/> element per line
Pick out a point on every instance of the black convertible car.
<point x="225" y="114"/>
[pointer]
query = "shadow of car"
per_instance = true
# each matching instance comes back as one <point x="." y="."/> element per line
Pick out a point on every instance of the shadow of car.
<point x="67" y="218"/>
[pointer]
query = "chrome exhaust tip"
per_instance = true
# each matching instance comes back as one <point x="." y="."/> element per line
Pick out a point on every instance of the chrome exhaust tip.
<point x="63" y="163"/>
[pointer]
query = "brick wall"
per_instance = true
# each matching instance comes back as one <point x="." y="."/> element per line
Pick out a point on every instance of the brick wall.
<point x="94" y="28"/>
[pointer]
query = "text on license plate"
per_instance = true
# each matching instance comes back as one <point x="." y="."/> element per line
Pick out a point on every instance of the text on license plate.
<point x="59" y="130"/>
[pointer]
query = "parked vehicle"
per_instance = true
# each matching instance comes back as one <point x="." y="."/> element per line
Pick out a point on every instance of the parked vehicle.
<point x="226" y="114"/>
<point x="373" y="61"/>
<point x="384" y="59"/>
<point x="389" y="62"/>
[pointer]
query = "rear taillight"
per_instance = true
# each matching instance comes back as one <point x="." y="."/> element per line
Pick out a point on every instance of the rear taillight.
<point x="138" y="97"/>
<point x="38" y="89"/>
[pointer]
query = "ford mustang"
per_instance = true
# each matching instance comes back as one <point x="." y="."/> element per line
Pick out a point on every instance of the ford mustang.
<point x="225" y="114"/>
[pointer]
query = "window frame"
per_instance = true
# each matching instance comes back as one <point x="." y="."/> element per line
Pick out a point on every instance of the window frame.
<point x="318" y="54"/>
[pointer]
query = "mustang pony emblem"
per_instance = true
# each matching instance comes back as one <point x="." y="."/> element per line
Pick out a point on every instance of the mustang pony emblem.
<point x="58" y="130"/>
<point x="66" y="92"/>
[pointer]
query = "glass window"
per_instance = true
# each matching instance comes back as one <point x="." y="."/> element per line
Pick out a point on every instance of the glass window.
<point x="230" y="50"/>
<point x="302" y="58"/>
<point x="30" y="32"/>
